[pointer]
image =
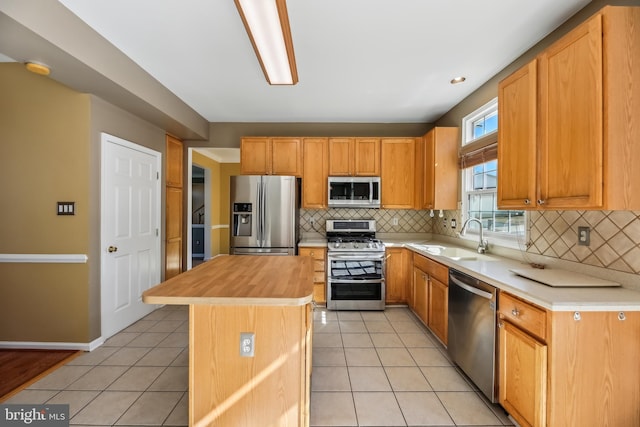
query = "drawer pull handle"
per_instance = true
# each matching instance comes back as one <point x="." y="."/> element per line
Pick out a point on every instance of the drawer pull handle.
<point x="515" y="312"/>
<point x="621" y="316"/>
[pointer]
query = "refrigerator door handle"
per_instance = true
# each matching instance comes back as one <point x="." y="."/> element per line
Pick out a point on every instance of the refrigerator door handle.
<point x="264" y="212"/>
<point x="258" y="218"/>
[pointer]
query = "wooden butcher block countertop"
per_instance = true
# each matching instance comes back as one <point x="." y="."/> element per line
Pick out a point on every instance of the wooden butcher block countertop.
<point x="240" y="280"/>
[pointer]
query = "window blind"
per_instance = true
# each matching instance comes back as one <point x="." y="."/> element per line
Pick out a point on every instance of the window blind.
<point x="480" y="151"/>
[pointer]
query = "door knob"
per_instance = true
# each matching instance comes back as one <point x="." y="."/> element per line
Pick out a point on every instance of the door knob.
<point x="112" y="249"/>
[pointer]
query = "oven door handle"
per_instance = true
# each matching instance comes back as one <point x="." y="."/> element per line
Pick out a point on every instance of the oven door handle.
<point x="356" y="258"/>
<point x="356" y="281"/>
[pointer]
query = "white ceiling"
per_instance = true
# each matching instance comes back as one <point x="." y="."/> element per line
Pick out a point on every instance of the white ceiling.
<point x="375" y="61"/>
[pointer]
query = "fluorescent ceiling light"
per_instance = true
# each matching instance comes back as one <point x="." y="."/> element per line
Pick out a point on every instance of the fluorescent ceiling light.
<point x="267" y="24"/>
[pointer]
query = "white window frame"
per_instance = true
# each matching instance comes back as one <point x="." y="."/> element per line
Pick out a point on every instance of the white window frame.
<point x="467" y="121"/>
<point x="499" y="239"/>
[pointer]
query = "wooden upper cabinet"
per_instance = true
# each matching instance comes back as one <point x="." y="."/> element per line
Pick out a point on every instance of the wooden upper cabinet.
<point x="271" y="156"/>
<point x="286" y="156"/>
<point x="517" y="147"/>
<point x="255" y="156"/>
<point x="354" y="156"/>
<point x="367" y="157"/>
<point x="398" y="172"/>
<point x="569" y="120"/>
<point x="341" y="156"/>
<point x="439" y="169"/>
<point x="315" y="156"/>
<point x="174" y="161"/>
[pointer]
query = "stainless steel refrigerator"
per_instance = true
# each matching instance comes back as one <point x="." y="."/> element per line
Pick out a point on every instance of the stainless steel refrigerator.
<point x="264" y="215"/>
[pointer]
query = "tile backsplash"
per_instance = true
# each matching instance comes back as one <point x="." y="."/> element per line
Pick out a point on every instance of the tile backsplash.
<point x="409" y="221"/>
<point x="615" y="237"/>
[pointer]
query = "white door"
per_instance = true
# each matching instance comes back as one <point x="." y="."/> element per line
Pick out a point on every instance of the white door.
<point x="130" y="231"/>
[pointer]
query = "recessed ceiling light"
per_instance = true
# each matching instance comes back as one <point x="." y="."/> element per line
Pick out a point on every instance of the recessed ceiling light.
<point x="457" y="80"/>
<point x="38" y="68"/>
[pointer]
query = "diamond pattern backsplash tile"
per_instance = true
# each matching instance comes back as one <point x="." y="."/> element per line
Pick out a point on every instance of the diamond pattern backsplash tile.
<point x="615" y="237"/>
<point x="409" y="221"/>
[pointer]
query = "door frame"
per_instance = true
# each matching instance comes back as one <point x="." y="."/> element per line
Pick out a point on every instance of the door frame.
<point x="207" y="209"/>
<point x="105" y="139"/>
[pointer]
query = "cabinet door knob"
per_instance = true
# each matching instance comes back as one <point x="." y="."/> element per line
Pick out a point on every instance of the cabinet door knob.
<point x="541" y="201"/>
<point x="527" y="201"/>
<point x="112" y="249"/>
<point x="515" y="312"/>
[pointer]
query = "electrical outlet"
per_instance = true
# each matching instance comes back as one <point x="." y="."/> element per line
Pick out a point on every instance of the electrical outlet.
<point x="247" y="344"/>
<point x="584" y="236"/>
<point x="395" y="221"/>
<point x="312" y="221"/>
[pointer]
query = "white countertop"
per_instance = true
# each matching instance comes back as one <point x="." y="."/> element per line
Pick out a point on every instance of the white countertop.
<point x="494" y="270"/>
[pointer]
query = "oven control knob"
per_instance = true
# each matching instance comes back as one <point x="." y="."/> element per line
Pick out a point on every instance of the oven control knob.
<point x="336" y="245"/>
<point x="371" y="245"/>
<point x="355" y="246"/>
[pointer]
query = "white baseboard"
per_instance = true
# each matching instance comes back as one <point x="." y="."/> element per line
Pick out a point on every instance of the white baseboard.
<point x="32" y="345"/>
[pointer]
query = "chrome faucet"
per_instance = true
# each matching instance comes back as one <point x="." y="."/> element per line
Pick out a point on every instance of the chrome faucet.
<point x="483" y="244"/>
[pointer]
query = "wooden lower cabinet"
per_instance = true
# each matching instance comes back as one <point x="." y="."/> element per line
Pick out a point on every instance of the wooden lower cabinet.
<point x="397" y="275"/>
<point x="319" y="272"/>
<point x="430" y="290"/>
<point x="272" y="388"/>
<point x="523" y="375"/>
<point x="438" y="310"/>
<point x="569" y="369"/>
<point x="420" y="294"/>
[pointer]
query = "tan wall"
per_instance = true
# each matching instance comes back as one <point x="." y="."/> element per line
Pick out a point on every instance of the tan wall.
<point x="44" y="158"/>
<point x="227" y="135"/>
<point x="226" y="170"/>
<point x="49" y="152"/>
<point x="220" y="173"/>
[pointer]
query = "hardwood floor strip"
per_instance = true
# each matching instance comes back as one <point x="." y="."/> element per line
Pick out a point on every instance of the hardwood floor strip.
<point x="21" y="368"/>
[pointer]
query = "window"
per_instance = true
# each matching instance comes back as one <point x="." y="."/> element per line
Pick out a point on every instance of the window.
<point x="480" y="181"/>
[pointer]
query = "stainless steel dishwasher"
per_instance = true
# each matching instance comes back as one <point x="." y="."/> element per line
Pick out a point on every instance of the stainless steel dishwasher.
<point x="472" y="330"/>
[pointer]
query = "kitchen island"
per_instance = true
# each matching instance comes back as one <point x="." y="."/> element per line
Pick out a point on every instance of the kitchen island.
<point x="265" y="299"/>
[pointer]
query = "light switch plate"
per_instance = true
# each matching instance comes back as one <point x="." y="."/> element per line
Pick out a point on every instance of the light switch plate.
<point x="66" y="208"/>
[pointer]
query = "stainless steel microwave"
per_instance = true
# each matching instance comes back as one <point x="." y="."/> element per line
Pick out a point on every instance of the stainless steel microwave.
<point x="354" y="192"/>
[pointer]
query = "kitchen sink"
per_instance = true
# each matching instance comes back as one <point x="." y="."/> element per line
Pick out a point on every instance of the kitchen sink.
<point x="455" y="254"/>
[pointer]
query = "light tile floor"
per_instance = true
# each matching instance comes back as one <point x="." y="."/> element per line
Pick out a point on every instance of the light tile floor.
<point x="369" y="369"/>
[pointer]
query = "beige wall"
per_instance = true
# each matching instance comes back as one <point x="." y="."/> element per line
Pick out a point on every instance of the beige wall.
<point x="44" y="158"/>
<point x="49" y="152"/>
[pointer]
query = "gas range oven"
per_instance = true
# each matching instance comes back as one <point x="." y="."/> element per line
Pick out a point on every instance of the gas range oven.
<point x="355" y="265"/>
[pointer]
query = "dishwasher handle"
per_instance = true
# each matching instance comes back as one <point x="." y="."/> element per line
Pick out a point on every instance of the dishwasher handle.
<point x="473" y="290"/>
